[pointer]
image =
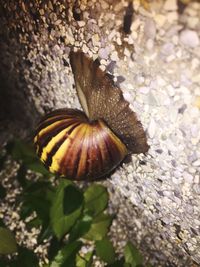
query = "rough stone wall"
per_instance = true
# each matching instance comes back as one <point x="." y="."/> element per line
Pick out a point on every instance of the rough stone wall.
<point x="157" y="64"/>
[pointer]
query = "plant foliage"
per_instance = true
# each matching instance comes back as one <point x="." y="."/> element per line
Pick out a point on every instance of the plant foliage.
<point x="75" y="221"/>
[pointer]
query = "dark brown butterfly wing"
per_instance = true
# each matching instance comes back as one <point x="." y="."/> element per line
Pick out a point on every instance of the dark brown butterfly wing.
<point x="100" y="98"/>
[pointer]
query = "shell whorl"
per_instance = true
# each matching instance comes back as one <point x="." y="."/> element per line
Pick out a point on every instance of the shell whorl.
<point x="72" y="146"/>
<point x="87" y="147"/>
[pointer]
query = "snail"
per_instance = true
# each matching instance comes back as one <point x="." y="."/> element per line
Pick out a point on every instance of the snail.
<point x="88" y="145"/>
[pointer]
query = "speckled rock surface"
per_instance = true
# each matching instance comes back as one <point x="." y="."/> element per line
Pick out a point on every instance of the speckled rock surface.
<point x="156" y="62"/>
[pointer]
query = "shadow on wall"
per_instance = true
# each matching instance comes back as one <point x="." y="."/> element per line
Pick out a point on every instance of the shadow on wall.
<point x="17" y="115"/>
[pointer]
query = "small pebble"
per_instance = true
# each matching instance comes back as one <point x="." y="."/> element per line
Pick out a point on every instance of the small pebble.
<point x="150" y="29"/>
<point x="150" y="44"/>
<point x="170" y="5"/>
<point x="152" y="128"/>
<point x="151" y="99"/>
<point x="172" y="17"/>
<point x="188" y="177"/>
<point x="170" y="90"/>
<point x="167" y="49"/>
<point x="160" y="20"/>
<point x="197" y="102"/>
<point x="170" y="58"/>
<point x="114" y="56"/>
<point x="193" y="22"/>
<point x="81" y="23"/>
<point x="103" y="53"/>
<point x="144" y="90"/>
<point x="196" y="163"/>
<point x="189" y="38"/>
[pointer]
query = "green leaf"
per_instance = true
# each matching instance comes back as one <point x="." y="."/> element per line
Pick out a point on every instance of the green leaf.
<point x="67" y="255"/>
<point x="85" y="260"/>
<point x="45" y="233"/>
<point x="105" y="250"/>
<point x="99" y="227"/>
<point x="132" y="255"/>
<point x="35" y="222"/>
<point x="53" y="248"/>
<point x="4" y="263"/>
<point x="73" y="199"/>
<point x="38" y="197"/>
<point x="96" y="199"/>
<point x="20" y="150"/>
<point x="37" y="166"/>
<point x="60" y="222"/>
<point x="38" y="204"/>
<point x="2" y="192"/>
<point x="2" y="160"/>
<point x="25" y="152"/>
<point x="2" y="223"/>
<point x="26" y="210"/>
<point x="26" y="258"/>
<point x="118" y="263"/>
<point x="34" y="187"/>
<point x="21" y="175"/>
<point x="7" y="241"/>
<point x="81" y="227"/>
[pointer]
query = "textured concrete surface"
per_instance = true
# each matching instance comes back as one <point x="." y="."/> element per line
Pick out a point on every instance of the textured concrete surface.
<point x="155" y="60"/>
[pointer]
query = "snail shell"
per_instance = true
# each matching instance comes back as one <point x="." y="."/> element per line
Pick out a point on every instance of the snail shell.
<point x="80" y="146"/>
<point x="72" y="146"/>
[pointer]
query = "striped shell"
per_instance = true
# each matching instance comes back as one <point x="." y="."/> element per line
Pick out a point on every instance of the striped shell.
<point x="87" y="147"/>
<point x="72" y="146"/>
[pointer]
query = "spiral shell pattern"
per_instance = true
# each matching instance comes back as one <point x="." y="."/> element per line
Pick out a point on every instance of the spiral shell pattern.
<point x="72" y="146"/>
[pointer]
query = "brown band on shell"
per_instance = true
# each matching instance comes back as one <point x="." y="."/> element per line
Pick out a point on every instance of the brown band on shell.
<point x="80" y="149"/>
<point x="101" y="99"/>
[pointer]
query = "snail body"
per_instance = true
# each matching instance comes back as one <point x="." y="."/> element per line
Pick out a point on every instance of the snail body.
<point x="87" y="146"/>
<point x="72" y="146"/>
